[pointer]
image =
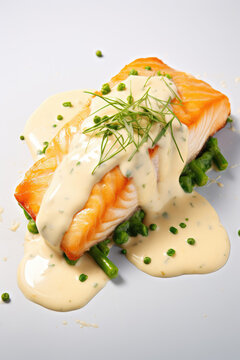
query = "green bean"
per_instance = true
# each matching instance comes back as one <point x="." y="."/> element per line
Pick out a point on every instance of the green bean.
<point x="32" y="228"/>
<point x="199" y="175"/>
<point x="105" y="264"/>
<point x="103" y="247"/>
<point x="186" y="183"/>
<point x="218" y="158"/>
<point x="70" y="262"/>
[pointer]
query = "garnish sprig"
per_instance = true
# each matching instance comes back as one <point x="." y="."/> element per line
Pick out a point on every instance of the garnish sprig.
<point x="132" y="124"/>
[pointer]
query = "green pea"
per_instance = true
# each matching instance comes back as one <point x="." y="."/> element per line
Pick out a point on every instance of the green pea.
<point x="191" y="241"/>
<point x="22" y="137"/>
<point x="5" y="297"/>
<point x="147" y="260"/>
<point x="99" y="53"/>
<point x="148" y="68"/>
<point x="171" y="252"/>
<point x="182" y="225"/>
<point x="124" y="251"/>
<point x="133" y="72"/>
<point x="121" y="87"/>
<point x="97" y="119"/>
<point x="173" y="230"/>
<point x="83" y="277"/>
<point x="59" y="117"/>
<point x="105" y="89"/>
<point x="153" y="227"/>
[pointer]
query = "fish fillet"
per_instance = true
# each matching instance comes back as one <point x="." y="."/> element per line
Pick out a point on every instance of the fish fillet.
<point x="204" y="110"/>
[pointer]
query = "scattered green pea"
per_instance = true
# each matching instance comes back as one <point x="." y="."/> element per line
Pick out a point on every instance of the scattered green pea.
<point x="153" y="227"/>
<point x="105" y="89"/>
<point x="191" y="241"/>
<point x="121" y="87"/>
<point x="99" y="53"/>
<point x="173" y="230"/>
<point x="238" y="232"/>
<point x="97" y="119"/>
<point x="67" y="104"/>
<point x="168" y="76"/>
<point x="83" y="277"/>
<point x="22" y="137"/>
<point x="148" y="68"/>
<point x="59" y="117"/>
<point x="147" y="260"/>
<point x="5" y="297"/>
<point x="124" y="251"/>
<point x="182" y="225"/>
<point x="54" y="125"/>
<point x="133" y="72"/>
<point x="171" y="252"/>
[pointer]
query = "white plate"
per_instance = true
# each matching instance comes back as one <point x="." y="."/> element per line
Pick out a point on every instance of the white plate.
<point x="48" y="47"/>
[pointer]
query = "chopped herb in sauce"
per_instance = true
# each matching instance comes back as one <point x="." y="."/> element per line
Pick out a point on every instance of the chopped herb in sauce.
<point x="186" y="219"/>
<point x="41" y="152"/>
<point x="128" y="174"/>
<point x="121" y="87"/>
<point x="105" y="89"/>
<point x="99" y="53"/>
<point x="78" y="163"/>
<point x="22" y="137"/>
<point x="59" y="117"/>
<point x="165" y="215"/>
<point x="173" y="230"/>
<point x="171" y="252"/>
<point x="182" y="225"/>
<point x="67" y="104"/>
<point x="147" y="260"/>
<point x="191" y="241"/>
<point x="83" y="277"/>
<point x="5" y="297"/>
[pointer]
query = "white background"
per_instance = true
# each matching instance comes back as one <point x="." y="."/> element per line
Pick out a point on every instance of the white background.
<point x="48" y="47"/>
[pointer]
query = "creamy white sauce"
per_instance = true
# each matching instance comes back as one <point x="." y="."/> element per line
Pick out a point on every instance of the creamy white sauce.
<point x="40" y="127"/>
<point x="209" y="253"/>
<point x="44" y="276"/>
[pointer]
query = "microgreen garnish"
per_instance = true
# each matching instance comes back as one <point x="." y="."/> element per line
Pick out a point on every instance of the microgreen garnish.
<point x="136" y="118"/>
